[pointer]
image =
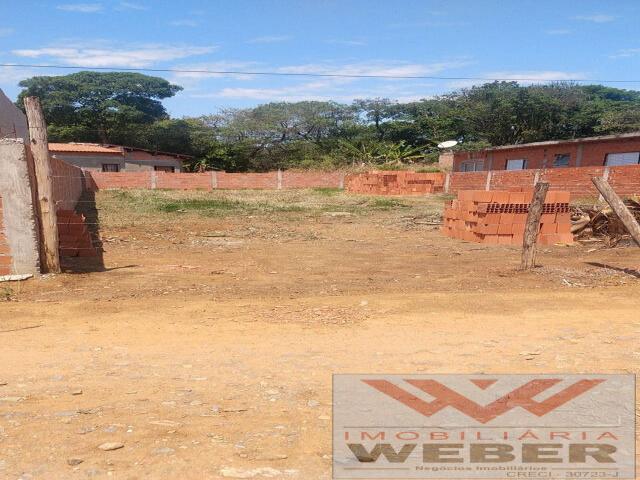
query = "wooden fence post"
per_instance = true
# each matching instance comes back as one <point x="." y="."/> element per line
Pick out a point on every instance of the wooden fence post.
<point x="43" y="185"/>
<point x="533" y="226"/>
<point x="618" y="207"/>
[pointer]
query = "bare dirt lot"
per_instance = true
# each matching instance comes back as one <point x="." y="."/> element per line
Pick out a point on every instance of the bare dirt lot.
<point x="207" y="346"/>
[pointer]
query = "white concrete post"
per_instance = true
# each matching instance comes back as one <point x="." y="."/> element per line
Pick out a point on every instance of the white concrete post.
<point x="214" y="179"/>
<point x="154" y="179"/>
<point x="487" y="186"/>
<point x="279" y="179"/>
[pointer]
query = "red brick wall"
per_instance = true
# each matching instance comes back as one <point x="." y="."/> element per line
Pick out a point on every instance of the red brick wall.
<point x="312" y="179"/>
<point x="395" y="183"/>
<point x="5" y="254"/>
<point x="624" y="180"/>
<point x="184" y="181"/>
<point x="467" y="181"/>
<point x="68" y="184"/>
<point x="503" y="180"/>
<point x="207" y="180"/>
<point x="267" y="180"/>
<point x="574" y="180"/>
<point x="105" y="181"/>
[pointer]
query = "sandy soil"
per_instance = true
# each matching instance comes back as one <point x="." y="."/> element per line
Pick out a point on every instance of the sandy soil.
<point x="207" y="346"/>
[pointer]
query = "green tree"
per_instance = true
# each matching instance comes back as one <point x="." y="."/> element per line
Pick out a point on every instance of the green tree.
<point x="99" y="106"/>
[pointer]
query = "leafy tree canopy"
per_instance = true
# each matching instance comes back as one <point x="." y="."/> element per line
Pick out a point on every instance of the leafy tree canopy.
<point x="126" y="108"/>
<point x="99" y="105"/>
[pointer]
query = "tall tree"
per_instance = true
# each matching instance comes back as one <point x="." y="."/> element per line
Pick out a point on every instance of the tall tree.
<point x="98" y="106"/>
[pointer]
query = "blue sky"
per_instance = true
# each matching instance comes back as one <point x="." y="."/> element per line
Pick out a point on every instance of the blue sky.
<point x="540" y="39"/>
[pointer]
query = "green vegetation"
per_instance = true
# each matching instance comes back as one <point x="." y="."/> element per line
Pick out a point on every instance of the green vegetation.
<point x="127" y="207"/>
<point x="125" y="108"/>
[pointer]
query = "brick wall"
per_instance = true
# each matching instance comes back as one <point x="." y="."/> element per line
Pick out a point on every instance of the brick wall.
<point x="5" y="253"/>
<point x="503" y="180"/>
<point x="312" y="179"/>
<point x="267" y="180"/>
<point x="467" y="181"/>
<point x="211" y="180"/>
<point x="68" y="184"/>
<point x="183" y="181"/>
<point x="105" y="181"/>
<point x="395" y="183"/>
<point x="624" y="180"/>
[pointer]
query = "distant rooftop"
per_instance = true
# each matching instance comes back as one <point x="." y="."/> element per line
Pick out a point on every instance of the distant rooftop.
<point x="619" y="136"/>
<point x="79" y="147"/>
<point x="85" y="148"/>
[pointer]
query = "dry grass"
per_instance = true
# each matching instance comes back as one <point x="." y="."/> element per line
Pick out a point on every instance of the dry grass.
<point x="119" y="208"/>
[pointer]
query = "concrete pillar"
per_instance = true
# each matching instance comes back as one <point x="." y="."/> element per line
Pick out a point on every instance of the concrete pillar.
<point x="214" y="179"/>
<point x="154" y="179"/>
<point x="487" y="186"/>
<point x="279" y="186"/>
<point x="447" y="182"/>
<point x="579" y="154"/>
<point x="20" y="224"/>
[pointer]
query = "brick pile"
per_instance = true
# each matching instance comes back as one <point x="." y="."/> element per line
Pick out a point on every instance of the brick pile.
<point x="74" y="236"/>
<point x="395" y="183"/>
<point x="5" y="254"/>
<point x="499" y="217"/>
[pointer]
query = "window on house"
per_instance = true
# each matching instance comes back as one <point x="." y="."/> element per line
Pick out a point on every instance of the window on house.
<point x="516" y="164"/>
<point x="162" y="168"/>
<point x="110" y="167"/>
<point x="616" y="159"/>
<point x="561" y="160"/>
<point x="472" y="166"/>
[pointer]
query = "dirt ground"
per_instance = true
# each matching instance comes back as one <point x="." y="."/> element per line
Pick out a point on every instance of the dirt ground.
<point x="207" y="345"/>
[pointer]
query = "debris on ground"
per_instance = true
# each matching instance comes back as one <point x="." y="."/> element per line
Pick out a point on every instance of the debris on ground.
<point x="600" y="223"/>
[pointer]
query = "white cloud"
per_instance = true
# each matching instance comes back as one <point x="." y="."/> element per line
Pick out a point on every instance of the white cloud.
<point x="626" y="53"/>
<point x="81" y="7"/>
<point x="270" y="39"/>
<point x="6" y="31"/>
<point x="558" y="31"/>
<point x="193" y="73"/>
<point x="340" y="88"/>
<point x="596" y="18"/>
<point x="131" y="6"/>
<point x="184" y="23"/>
<point x="316" y="90"/>
<point x="136" y="57"/>
<point x="377" y="68"/>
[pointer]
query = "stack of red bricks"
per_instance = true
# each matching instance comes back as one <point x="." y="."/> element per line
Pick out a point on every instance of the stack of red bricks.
<point x="74" y="236"/>
<point x="395" y="183"/>
<point x="499" y="217"/>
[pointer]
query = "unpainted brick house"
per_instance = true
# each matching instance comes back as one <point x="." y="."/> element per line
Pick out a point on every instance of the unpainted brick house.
<point x="608" y="150"/>
<point x="116" y="158"/>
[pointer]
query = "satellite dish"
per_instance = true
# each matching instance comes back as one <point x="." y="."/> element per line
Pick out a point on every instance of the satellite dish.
<point x="448" y="144"/>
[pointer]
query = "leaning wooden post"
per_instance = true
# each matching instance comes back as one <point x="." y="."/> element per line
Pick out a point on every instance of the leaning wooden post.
<point x="618" y="206"/>
<point x="44" y="185"/>
<point x="533" y="226"/>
